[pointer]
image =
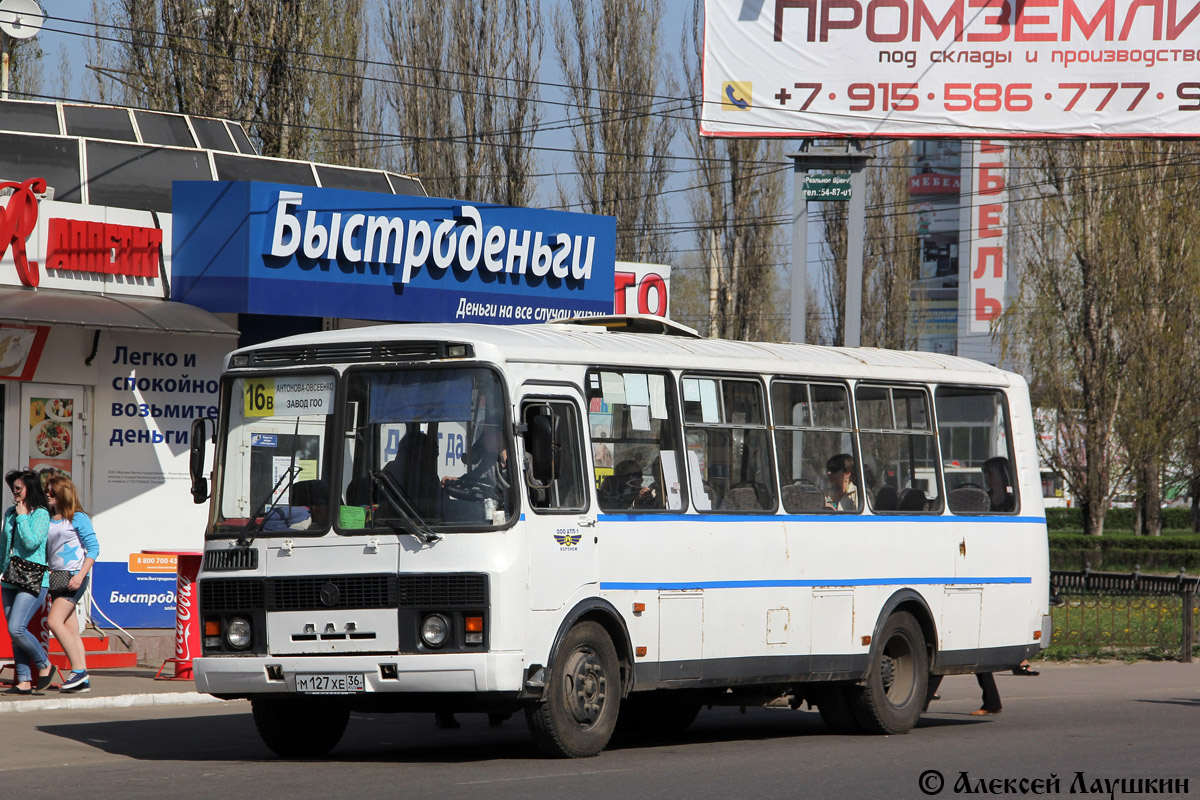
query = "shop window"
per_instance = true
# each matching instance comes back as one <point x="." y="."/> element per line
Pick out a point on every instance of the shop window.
<point x="812" y="429"/>
<point x="213" y="135"/>
<point x="56" y="160"/>
<point x="135" y="176"/>
<point x="899" y="453"/>
<point x="29" y="117"/>
<point x="166" y="129"/>
<point x="99" y="122"/>
<point x="973" y="426"/>
<point x="728" y="451"/>
<point x="635" y="454"/>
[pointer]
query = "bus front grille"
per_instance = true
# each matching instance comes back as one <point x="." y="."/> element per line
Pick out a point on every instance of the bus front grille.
<point x="331" y="592"/>
<point x="443" y="590"/>
<point x="321" y="592"/>
<point x="231" y="594"/>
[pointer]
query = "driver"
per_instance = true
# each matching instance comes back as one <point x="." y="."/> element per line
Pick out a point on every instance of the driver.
<point x="490" y="469"/>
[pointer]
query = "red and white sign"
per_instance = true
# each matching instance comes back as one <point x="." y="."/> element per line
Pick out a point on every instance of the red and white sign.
<point x="51" y="245"/>
<point x="642" y="289"/>
<point x="989" y="234"/>
<point x="960" y="68"/>
<point x="933" y="183"/>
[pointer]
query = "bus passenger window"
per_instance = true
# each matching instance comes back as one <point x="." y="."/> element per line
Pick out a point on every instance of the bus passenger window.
<point x="973" y="427"/>
<point x="635" y="455"/>
<point x="812" y="429"/>
<point x="898" y="449"/>
<point x="729" y="455"/>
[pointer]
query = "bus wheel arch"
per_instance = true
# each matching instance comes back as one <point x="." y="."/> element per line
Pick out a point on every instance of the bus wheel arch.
<point x="577" y="713"/>
<point x="602" y="612"/>
<point x="913" y="603"/>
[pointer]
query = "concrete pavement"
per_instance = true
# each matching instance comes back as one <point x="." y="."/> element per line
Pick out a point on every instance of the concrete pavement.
<point x="111" y="688"/>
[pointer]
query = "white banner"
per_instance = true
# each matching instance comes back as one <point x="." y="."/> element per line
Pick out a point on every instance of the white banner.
<point x="965" y="68"/>
<point x="989" y="234"/>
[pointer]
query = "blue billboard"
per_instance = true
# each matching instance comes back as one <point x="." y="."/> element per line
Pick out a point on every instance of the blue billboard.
<point x="265" y="248"/>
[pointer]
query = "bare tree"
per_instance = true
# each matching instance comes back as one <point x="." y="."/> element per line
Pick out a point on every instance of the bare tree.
<point x="464" y="92"/>
<point x="288" y="70"/>
<point x="890" y="251"/>
<point x="622" y="135"/>
<point x="25" y="79"/>
<point x="736" y="199"/>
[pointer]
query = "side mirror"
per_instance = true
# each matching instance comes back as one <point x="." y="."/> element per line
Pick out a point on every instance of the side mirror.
<point x="197" y="464"/>
<point x="542" y="446"/>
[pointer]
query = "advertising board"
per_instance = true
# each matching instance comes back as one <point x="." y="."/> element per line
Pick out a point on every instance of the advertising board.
<point x="962" y="68"/>
<point x="293" y="250"/>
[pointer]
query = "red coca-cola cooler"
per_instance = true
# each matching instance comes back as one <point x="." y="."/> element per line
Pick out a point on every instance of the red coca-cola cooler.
<point x="187" y="618"/>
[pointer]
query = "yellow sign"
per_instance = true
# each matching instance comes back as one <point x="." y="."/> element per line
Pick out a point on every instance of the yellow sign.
<point x="145" y="562"/>
<point x="259" y="397"/>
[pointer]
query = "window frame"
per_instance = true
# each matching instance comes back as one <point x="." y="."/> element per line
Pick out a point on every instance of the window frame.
<point x="581" y="462"/>
<point x="930" y="430"/>
<point x="1008" y="443"/>
<point x="852" y="430"/>
<point x="760" y="383"/>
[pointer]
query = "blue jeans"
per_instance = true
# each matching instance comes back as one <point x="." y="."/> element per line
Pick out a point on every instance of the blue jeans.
<point x="19" y="608"/>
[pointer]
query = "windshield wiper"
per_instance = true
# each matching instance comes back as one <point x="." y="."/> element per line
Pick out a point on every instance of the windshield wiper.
<point x="254" y="523"/>
<point x="418" y="527"/>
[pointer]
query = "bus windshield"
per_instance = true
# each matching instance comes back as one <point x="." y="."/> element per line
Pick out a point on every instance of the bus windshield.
<point x="429" y="444"/>
<point x="276" y="462"/>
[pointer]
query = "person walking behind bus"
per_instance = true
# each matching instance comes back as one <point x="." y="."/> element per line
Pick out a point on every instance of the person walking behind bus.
<point x="71" y="547"/>
<point x="23" y="535"/>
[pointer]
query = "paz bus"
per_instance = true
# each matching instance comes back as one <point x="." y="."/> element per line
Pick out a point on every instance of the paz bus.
<point x="608" y="522"/>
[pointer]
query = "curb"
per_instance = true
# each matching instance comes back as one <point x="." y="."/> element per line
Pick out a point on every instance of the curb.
<point x="113" y="701"/>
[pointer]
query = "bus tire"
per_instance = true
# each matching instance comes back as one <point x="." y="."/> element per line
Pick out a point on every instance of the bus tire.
<point x="892" y="696"/>
<point x="294" y="727"/>
<point x="578" y="711"/>
<point x="834" y="703"/>
<point x="658" y="712"/>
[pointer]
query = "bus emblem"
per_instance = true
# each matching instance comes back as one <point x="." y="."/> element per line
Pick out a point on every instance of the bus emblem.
<point x="567" y="539"/>
<point x="330" y="594"/>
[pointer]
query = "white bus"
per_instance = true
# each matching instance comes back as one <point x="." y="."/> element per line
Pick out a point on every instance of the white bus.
<point x="598" y="526"/>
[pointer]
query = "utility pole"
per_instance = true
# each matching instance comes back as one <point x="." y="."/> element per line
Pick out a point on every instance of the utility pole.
<point x="846" y="157"/>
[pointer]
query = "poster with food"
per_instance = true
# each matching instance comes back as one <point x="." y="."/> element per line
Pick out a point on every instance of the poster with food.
<point x="20" y="350"/>
<point x="51" y="428"/>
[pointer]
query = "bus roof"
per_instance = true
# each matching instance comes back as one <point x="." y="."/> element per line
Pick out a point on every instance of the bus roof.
<point x="558" y="343"/>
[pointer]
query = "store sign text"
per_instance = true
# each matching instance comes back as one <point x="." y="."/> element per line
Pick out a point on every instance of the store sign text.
<point x="75" y="245"/>
<point x="989" y="226"/>
<point x="462" y="242"/>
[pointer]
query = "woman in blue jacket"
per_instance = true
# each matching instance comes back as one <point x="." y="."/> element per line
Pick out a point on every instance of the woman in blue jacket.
<point x="26" y="524"/>
<point x="72" y="547"/>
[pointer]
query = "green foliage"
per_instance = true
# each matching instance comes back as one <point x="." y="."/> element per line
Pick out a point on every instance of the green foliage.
<point x="1117" y="519"/>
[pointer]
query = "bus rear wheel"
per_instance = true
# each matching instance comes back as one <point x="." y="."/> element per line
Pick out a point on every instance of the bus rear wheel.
<point x="300" y="727"/>
<point x="578" y="711"/>
<point x="892" y="696"/>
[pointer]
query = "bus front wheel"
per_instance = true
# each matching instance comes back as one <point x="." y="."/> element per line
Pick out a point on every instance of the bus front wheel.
<point x="300" y="727"/>
<point x="578" y="710"/>
<point x="892" y="696"/>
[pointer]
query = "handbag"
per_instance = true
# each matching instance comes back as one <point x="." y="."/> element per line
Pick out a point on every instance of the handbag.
<point x="24" y="574"/>
<point x="59" y="578"/>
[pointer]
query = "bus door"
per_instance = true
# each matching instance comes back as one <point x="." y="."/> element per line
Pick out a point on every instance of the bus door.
<point x="559" y="520"/>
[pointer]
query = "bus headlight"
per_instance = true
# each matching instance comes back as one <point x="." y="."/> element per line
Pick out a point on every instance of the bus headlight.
<point x="237" y="633"/>
<point x="434" y="630"/>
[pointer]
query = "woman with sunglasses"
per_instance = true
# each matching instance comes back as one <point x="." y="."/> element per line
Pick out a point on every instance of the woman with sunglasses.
<point x="25" y="527"/>
<point x="842" y="494"/>
<point x="72" y="547"/>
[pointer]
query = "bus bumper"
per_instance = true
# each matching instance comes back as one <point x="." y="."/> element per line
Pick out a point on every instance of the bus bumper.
<point x="241" y="676"/>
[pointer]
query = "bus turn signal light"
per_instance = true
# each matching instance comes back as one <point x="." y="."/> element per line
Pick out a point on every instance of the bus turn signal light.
<point x="640" y="651"/>
<point x="639" y="608"/>
<point x="212" y="627"/>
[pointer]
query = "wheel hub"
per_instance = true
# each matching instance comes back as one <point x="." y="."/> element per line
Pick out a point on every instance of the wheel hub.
<point x="585" y="686"/>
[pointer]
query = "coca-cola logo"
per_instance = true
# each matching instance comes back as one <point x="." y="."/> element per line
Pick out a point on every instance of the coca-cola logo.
<point x="17" y="220"/>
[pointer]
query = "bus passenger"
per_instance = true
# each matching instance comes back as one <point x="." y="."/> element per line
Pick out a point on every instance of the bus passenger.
<point x="842" y="494"/>
<point x="997" y="482"/>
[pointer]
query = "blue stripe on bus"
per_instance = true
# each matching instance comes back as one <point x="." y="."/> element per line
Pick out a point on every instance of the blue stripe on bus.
<point x="776" y="584"/>
<point x="808" y="518"/>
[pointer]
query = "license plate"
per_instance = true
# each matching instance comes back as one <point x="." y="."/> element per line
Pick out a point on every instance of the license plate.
<point x="331" y="684"/>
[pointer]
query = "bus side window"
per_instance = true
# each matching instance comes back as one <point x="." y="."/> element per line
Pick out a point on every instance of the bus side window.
<point x="812" y="425"/>
<point x="729" y="450"/>
<point x="973" y="428"/>
<point x="635" y="455"/>
<point x="566" y="490"/>
<point x="898" y="448"/>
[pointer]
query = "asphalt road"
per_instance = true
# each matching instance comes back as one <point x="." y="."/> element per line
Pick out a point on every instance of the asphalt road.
<point x="1106" y="722"/>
